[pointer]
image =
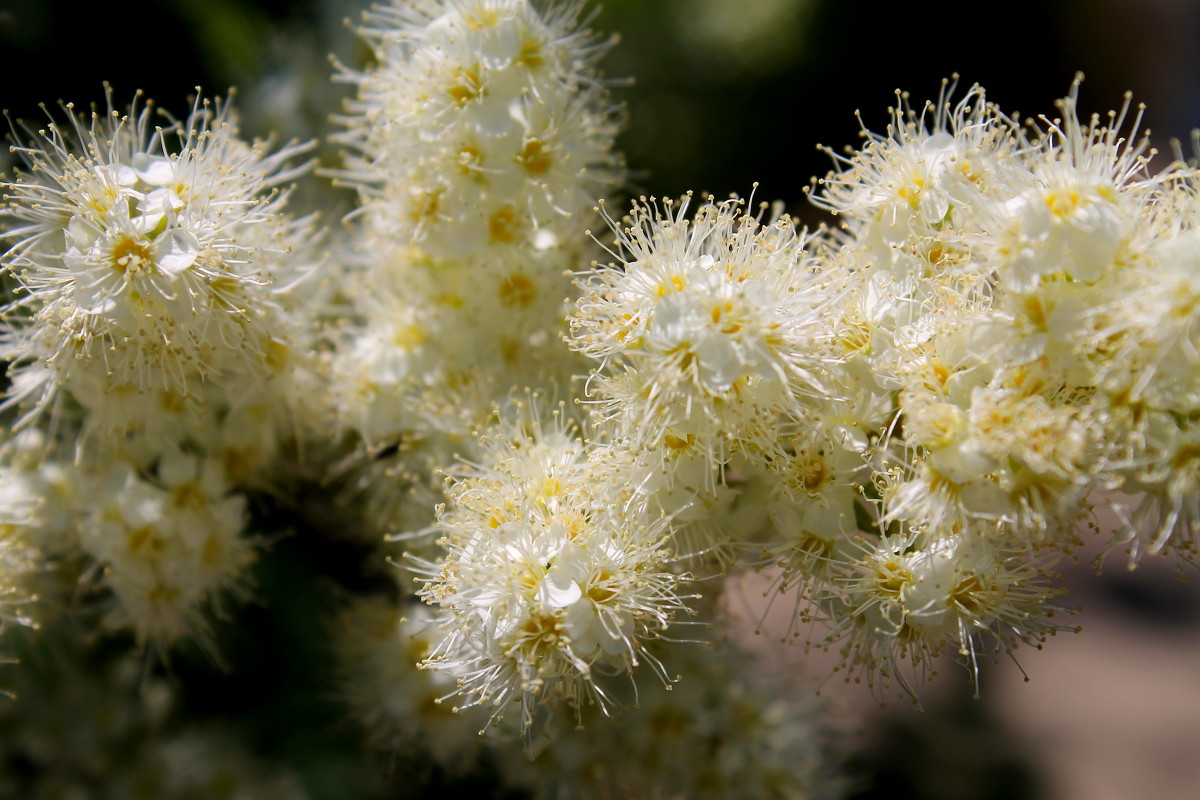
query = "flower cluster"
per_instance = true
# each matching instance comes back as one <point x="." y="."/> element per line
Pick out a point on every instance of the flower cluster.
<point x="908" y="420"/>
<point x="483" y="124"/>
<point x="150" y="349"/>
<point x="931" y="401"/>
<point x="144" y="266"/>
<point x="478" y="139"/>
<point x="551" y="580"/>
<point x="706" y="327"/>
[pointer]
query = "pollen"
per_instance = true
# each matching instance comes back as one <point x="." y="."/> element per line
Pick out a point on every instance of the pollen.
<point x="892" y="577"/>
<point x="470" y="161"/>
<point x="517" y="291"/>
<point x="679" y="443"/>
<point x="811" y="473"/>
<point x="467" y="87"/>
<point x="424" y="206"/>
<point x="409" y="337"/>
<point x="481" y="19"/>
<point x="189" y="494"/>
<point x="129" y="256"/>
<point x="212" y="551"/>
<point x="534" y="157"/>
<point x="502" y="226"/>
<point x="531" y="54"/>
<point x="146" y="540"/>
<point x="1063" y="204"/>
<point x="855" y="334"/>
<point x="600" y="589"/>
<point x="677" y="283"/>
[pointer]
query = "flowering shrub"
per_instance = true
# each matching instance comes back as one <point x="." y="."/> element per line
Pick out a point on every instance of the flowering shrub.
<point x="908" y="419"/>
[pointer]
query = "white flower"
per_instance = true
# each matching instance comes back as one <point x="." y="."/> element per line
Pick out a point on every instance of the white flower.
<point x="1166" y="516"/>
<point x="483" y="125"/>
<point x="144" y="258"/>
<point x="704" y="325"/>
<point x="906" y="598"/>
<point x="169" y="545"/>
<point x="547" y="585"/>
<point x="378" y="644"/>
<point x="915" y="181"/>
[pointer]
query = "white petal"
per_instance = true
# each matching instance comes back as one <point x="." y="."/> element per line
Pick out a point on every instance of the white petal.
<point x="154" y="171"/>
<point x="558" y="590"/>
<point x="176" y="252"/>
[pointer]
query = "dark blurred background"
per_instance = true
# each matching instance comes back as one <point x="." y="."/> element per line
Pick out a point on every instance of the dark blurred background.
<point x="726" y="92"/>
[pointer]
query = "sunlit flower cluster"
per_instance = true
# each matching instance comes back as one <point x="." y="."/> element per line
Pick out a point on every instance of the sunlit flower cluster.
<point x="557" y="447"/>
<point x="150" y="349"/>
<point x="145" y="259"/>
<point x="706" y="326"/>
<point x="478" y="142"/>
<point x="930" y="402"/>
<point x="550" y="582"/>
<point x="482" y="125"/>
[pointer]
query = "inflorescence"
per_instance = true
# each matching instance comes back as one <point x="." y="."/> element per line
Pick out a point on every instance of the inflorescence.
<point x="909" y="419"/>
